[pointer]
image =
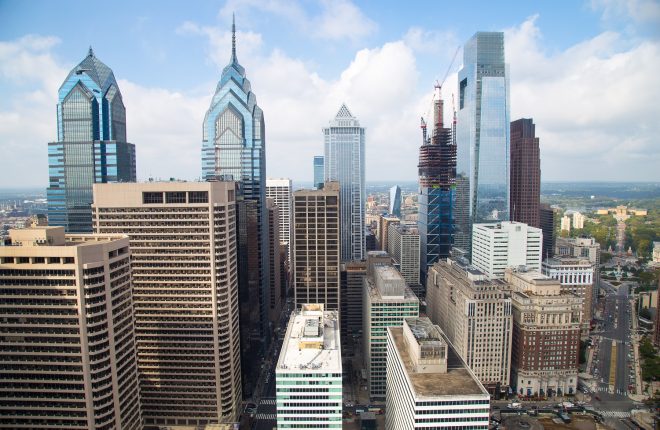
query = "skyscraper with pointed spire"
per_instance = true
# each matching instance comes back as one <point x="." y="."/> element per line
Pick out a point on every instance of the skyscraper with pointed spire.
<point x="91" y="144"/>
<point x="344" y="163"/>
<point x="233" y="148"/>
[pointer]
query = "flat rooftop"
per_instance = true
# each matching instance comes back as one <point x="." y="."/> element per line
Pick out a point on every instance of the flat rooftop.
<point x="320" y="351"/>
<point x="458" y="381"/>
<point x="375" y="294"/>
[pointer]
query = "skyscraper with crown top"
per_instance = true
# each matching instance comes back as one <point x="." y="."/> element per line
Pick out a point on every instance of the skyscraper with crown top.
<point x="233" y="148"/>
<point x="91" y="144"/>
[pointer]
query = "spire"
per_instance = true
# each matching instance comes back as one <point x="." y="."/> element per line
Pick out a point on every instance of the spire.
<point x="233" y="38"/>
<point x="91" y="51"/>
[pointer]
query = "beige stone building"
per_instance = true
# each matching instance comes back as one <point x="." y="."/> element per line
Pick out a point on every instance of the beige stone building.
<point x="316" y="246"/>
<point x="183" y="244"/>
<point x="67" y="350"/>
<point x="475" y="314"/>
<point x="546" y="335"/>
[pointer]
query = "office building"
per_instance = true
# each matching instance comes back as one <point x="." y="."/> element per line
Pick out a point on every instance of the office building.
<point x="474" y="312"/>
<point x="384" y="223"/>
<point x="234" y="148"/>
<point x="578" y="220"/>
<point x="274" y="255"/>
<point x="387" y="302"/>
<point x="584" y="247"/>
<point x="404" y="247"/>
<point x="497" y="246"/>
<point x="566" y="223"/>
<point x="482" y="132"/>
<point x="549" y="218"/>
<point x="546" y="335"/>
<point x="352" y="281"/>
<point x="308" y="376"/>
<point x="91" y="144"/>
<point x="319" y="171"/>
<point x="525" y="173"/>
<point x="185" y="292"/>
<point x="437" y="176"/>
<point x="395" y="201"/>
<point x="428" y="384"/>
<point x="317" y="246"/>
<point x="576" y="275"/>
<point x="344" y="163"/>
<point x="68" y="353"/>
<point x="281" y="190"/>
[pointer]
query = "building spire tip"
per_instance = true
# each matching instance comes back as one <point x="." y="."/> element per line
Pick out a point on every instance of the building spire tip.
<point x="91" y="51"/>
<point x="233" y="37"/>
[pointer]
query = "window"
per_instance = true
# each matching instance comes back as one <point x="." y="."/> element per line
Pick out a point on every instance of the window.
<point x="198" y="197"/>
<point x="152" y="197"/>
<point x="175" y="197"/>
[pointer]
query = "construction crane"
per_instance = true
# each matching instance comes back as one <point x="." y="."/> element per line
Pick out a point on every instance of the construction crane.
<point x="438" y="89"/>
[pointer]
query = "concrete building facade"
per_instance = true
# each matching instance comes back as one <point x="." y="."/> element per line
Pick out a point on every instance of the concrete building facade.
<point x="475" y="313"/>
<point x="68" y="354"/>
<point x="428" y="384"/>
<point x="274" y="256"/>
<point x="185" y="288"/>
<point x="404" y="247"/>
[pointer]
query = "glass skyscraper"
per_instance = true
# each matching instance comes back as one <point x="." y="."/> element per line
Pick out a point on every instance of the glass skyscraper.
<point x="233" y="148"/>
<point x="483" y="134"/>
<point x="344" y="162"/>
<point x="91" y="144"/>
<point x="318" y="172"/>
<point x="395" y="201"/>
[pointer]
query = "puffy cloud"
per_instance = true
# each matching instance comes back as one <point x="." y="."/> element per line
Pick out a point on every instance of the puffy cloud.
<point x="594" y="104"/>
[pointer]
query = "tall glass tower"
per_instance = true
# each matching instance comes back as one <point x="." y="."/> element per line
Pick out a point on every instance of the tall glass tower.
<point x="344" y="163"/>
<point x="91" y="144"/>
<point x="318" y="171"/>
<point x="233" y="148"/>
<point x="482" y="135"/>
<point x="395" y="201"/>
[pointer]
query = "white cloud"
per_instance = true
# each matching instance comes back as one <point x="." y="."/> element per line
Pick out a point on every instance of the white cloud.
<point x="636" y="10"/>
<point x="594" y="104"/>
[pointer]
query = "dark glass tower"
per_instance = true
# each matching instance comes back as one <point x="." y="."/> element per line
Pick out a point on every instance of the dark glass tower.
<point x="91" y="144"/>
<point x="437" y="176"/>
<point x="395" y="201"/>
<point x="319" y="168"/>
<point x="233" y="148"/>
<point x="525" y="173"/>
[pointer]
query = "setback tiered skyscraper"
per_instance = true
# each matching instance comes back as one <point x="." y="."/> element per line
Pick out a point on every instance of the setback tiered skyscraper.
<point x="185" y="294"/>
<point x="525" y="173"/>
<point x="91" y="144"/>
<point x="437" y="174"/>
<point x="482" y="133"/>
<point x="234" y="148"/>
<point x="68" y="354"/>
<point x="344" y="163"/>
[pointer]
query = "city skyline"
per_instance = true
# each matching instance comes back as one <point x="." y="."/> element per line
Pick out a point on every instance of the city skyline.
<point x="168" y="61"/>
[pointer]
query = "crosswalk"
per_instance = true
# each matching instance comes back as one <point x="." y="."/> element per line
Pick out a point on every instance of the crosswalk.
<point x="267" y="401"/>
<point x="266" y="416"/>
<point x="615" y="414"/>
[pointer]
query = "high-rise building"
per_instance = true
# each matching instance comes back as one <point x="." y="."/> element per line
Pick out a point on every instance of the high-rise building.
<point x="578" y="220"/>
<point x="497" y="246"/>
<point x="437" y="176"/>
<point x="566" y="223"/>
<point x="404" y="247"/>
<point x="395" y="201"/>
<point x="549" y="219"/>
<point x="316" y="246"/>
<point x="91" y="144"/>
<point x="387" y="301"/>
<point x="234" y="148"/>
<point x="185" y="288"/>
<point x="344" y="163"/>
<point x="475" y="314"/>
<point x="428" y="384"/>
<point x="68" y="352"/>
<point x="546" y="335"/>
<point x="352" y="281"/>
<point x="585" y="247"/>
<point x="384" y="223"/>
<point x="308" y="376"/>
<point x="281" y="190"/>
<point x="525" y="173"/>
<point x="319" y="171"/>
<point x="275" y="287"/>
<point x="576" y="275"/>
<point x="482" y="132"/>
<point x="656" y="337"/>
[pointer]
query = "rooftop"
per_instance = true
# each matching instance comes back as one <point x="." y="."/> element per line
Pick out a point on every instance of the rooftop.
<point x="403" y="294"/>
<point x="312" y="342"/>
<point x="457" y="381"/>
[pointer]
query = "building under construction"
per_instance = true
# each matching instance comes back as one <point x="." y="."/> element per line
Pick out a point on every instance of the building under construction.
<point x="437" y="176"/>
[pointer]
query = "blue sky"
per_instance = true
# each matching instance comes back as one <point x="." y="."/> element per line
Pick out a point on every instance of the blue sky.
<point x="585" y="71"/>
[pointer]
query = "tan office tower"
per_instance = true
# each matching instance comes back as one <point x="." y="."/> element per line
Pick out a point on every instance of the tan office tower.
<point x="475" y="313"/>
<point x="183" y="242"/>
<point x="67" y="353"/>
<point x="316" y="250"/>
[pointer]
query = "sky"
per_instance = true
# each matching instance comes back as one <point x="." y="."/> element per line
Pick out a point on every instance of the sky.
<point x="587" y="72"/>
